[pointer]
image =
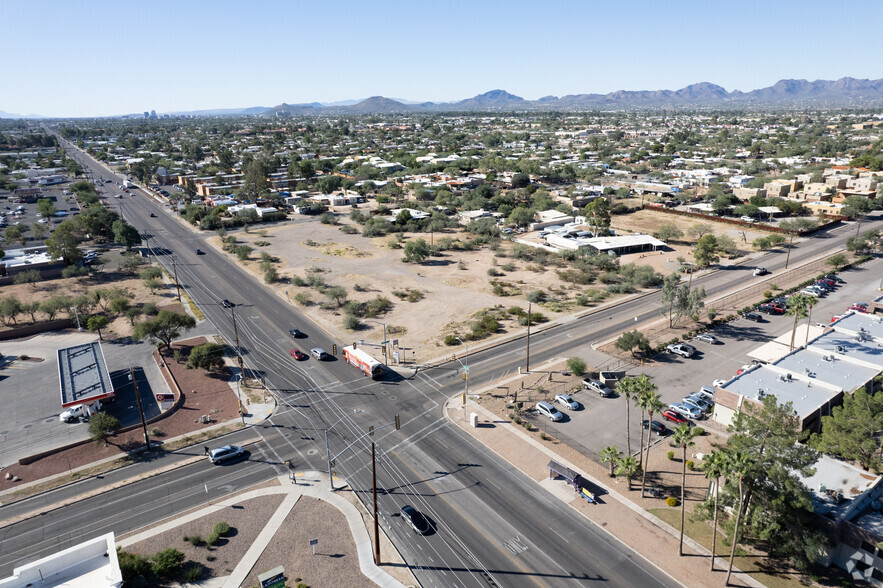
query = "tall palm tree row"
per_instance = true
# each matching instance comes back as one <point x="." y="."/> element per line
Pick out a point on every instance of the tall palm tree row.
<point x="715" y="467"/>
<point x="626" y="388"/>
<point x="654" y="405"/>
<point x="683" y="438"/>
<point x="739" y="466"/>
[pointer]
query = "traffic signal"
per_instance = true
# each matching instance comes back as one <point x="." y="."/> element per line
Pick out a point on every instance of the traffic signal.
<point x="354" y="345"/>
<point x="371" y="430"/>
<point x="334" y="349"/>
<point x="454" y="357"/>
<point x="398" y="424"/>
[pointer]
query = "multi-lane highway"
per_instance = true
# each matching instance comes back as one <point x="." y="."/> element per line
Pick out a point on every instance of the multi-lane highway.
<point x="493" y="525"/>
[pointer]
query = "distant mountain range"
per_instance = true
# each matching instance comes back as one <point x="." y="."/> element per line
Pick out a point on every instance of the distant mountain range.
<point x="845" y="92"/>
<point x="784" y="94"/>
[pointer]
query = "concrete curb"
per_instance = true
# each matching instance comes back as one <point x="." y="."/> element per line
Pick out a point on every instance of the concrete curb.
<point x="612" y="493"/>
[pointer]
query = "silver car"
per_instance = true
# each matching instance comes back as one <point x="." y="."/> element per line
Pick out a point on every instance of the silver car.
<point x="682" y="409"/>
<point x="546" y="409"/>
<point x="566" y="401"/>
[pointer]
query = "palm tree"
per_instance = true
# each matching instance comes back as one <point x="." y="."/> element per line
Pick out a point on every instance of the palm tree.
<point x="683" y="437"/>
<point x="715" y="466"/>
<point x="609" y="455"/>
<point x="738" y="465"/>
<point x="643" y="387"/>
<point x="627" y="466"/>
<point x="798" y="306"/>
<point x="626" y="387"/>
<point x="654" y="405"/>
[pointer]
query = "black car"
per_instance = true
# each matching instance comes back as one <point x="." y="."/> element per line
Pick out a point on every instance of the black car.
<point x="656" y="427"/>
<point x="200" y="252"/>
<point x="152" y="215"/>
<point x="417" y="521"/>
<point x="753" y="316"/>
<point x="227" y="304"/>
<point x="295" y="333"/>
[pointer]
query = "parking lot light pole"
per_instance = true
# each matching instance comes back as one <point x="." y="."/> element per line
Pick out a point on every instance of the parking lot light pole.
<point x="77" y="314"/>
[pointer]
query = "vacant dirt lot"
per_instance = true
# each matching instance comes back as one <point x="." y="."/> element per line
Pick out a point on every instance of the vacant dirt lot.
<point x="442" y="295"/>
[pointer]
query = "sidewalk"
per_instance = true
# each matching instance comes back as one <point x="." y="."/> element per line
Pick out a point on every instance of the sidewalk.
<point x="647" y="535"/>
<point x="311" y="484"/>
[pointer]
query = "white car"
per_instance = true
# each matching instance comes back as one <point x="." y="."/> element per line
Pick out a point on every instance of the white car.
<point x="760" y="271"/>
<point x="707" y="338"/>
<point x="718" y="383"/>
<point x="72" y="414"/>
<point x="566" y="401"/>
<point x="748" y="219"/>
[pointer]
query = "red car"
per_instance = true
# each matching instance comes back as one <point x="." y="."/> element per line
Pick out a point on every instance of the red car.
<point x="859" y="306"/>
<point x="674" y="417"/>
<point x="298" y="354"/>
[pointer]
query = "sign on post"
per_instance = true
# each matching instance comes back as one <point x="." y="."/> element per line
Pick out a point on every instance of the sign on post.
<point x="274" y="578"/>
<point x="313" y="544"/>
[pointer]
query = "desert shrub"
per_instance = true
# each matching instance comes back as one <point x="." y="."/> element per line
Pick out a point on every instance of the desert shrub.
<point x="166" y="563"/>
<point x="536" y="296"/>
<point x="132" y="565"/>
<point x="671" y="501"/>
<point x="451" y="340"/>
<point x="535" y="318"/>
<point x="576" y="366"/>
<point x="212" y="539"/>
<point x="698" y="431"/>
<point x="303" y="299"/>
<point x="149" y="308"/>
<point x="195" y="540"/>
<point x="298" y="281"/>
<point x="193" y="572"/>
<point x="670" y="455"/>
<point x="349" y="229"/>
<point x="351" y="322"/>
<point x="360" y="288"/>
<point x="494" y="272"/>
<point x="327" y="218"/>
<point x="690" y="464"/>
<point x="221" y="528"/>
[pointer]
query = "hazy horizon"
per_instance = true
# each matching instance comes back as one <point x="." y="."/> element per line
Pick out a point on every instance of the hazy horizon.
<point x="115" y="58"/>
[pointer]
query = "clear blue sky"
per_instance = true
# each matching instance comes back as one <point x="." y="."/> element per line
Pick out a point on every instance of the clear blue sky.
<point x="102" y="57"/>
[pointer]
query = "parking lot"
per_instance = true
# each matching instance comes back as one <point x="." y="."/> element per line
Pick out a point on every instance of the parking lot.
<point x="32" y="399"/>
<point x="26" y="215"/>
<point x="601" y="421"/>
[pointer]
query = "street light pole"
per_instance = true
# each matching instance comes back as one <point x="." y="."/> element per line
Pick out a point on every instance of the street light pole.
<point x="177" y="285"/>
<point x="527" y="360"/>
<point x="140" y="409"/>
<point x="465" y="376"/>
<point x="239" y="396"/>
<point x="77" y="314"/>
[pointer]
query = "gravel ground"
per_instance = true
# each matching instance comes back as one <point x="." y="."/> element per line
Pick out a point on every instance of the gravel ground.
<point x="336" y="562"/>
<point x="213" y="396"/>
<point x="246" y="519"/>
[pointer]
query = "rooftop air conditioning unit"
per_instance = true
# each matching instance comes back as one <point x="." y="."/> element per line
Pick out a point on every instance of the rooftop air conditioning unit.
<point x="840" y="349"/>
<point x="788" y="377"/>
<point x="828" y="357"/>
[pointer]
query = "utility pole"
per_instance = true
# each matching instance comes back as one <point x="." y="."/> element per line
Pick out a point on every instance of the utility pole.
<point x="376" y="524"/>
<point x="177" y="285"/>
<point x="858" y="226"/>
<point x="140" y="409"/>
<point x="527" y="367"/>
<point x="236" y="333"/>
<point x="788" y="257"/>
<point x="385" y="346"/>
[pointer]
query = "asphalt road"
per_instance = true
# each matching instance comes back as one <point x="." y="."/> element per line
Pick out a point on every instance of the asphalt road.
<point x="493" y="526"/>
